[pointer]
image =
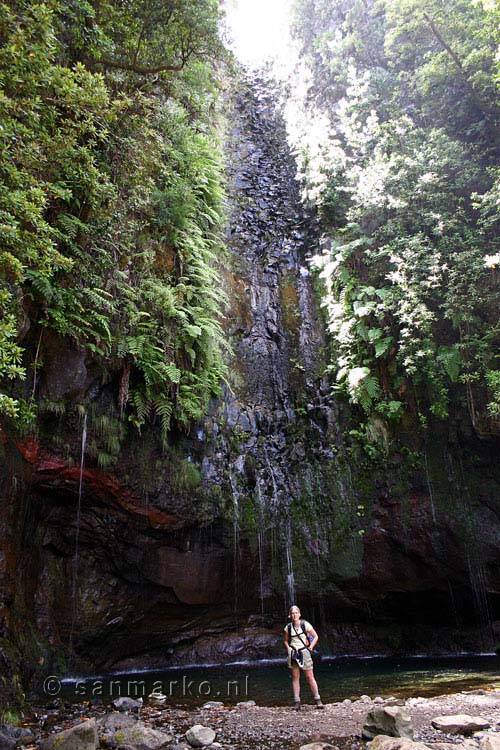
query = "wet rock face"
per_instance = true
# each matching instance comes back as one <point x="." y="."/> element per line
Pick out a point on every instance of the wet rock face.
<point x="274" y="320"/>
<point x="164" y="552"/>
<point x="194" y="554"/>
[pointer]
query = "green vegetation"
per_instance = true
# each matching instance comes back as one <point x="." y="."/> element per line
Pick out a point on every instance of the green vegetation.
<point x="110" y="200"/>
<point x="406" y="184"/>
<point x="11" y="718"/>
<point x="185" y="476"/>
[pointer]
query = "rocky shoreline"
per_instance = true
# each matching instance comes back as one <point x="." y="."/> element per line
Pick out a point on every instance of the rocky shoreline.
<point x="130" y="725"/>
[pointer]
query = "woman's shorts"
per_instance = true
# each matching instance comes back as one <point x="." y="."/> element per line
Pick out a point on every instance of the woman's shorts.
<point x="307" y="660"/>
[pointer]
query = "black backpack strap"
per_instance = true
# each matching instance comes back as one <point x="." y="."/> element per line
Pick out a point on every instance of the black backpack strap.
<point x="299" y="635"/>
<point x="302" y="626"/>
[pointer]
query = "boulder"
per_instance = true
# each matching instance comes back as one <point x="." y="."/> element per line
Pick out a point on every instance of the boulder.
<point x="115" y="721"/>
<point x="127" y="704"/>
<point x="111" y="723"/>
<point x="80" y="737"/>
<point x="21" y="735"/>
<point x="213" y="704"/>
<point x="392" y="721"/>
<point x="383" y="742"/>
<point x="490" y="742"/>
<point x="459" y="724"/>
<point x="246" y="704"/>
<point x="469" y="745"/>
<point x="6" y="742"/>
<point x="140" y="737"/>
<point x="157" y="699"/>
<point x="200" y="736"/>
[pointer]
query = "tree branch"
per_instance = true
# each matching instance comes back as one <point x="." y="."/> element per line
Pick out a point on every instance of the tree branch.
<point x="458" y="64"/>
<point x="144" y="70"/>
<point x="139" y="40"/>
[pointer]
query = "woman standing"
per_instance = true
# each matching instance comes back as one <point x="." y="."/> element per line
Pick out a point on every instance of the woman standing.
<point x="299" y="655"/>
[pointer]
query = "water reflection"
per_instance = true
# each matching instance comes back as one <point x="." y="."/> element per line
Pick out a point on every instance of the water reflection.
<point x="269" y="683"/>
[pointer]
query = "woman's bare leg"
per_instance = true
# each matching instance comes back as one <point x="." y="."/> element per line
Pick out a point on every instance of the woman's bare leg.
<point x="309" y="673"/>
<point x="296" y="683"/>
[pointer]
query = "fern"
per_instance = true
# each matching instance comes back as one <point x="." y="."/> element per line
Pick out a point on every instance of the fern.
<point x="173" y="372"/>
<point x="163" y="408"/>
<point x="41" y="284"/>
<point x="123" y="254"/>
<point x="142" y="405"/>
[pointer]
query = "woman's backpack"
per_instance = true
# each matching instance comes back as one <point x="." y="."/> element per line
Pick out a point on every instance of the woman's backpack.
<point x="316" y="655"/>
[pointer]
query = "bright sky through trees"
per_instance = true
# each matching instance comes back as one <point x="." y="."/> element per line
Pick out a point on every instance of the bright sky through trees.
<point x="259" y="30"/>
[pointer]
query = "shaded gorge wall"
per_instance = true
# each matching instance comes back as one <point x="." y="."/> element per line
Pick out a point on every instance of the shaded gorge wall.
<point x="194" y="553"/>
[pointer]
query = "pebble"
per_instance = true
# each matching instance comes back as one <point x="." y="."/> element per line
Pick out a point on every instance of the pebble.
<point x="212" y="704"/>
<point x="265" y="728"/>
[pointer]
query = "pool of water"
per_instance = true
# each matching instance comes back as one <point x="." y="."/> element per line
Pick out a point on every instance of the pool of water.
<point x="268" y="683"/>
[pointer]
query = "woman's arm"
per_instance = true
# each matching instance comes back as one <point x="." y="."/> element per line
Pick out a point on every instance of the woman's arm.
<point x="286" y="639"/>
<point x="314" y="635"/>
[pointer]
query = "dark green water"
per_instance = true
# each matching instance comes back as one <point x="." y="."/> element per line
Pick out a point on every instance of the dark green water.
<point x="269" y="683"/>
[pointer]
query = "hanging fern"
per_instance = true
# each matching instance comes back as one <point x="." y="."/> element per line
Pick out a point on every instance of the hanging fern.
<point x="118" y="245"/>
<point x="163" y="408"/>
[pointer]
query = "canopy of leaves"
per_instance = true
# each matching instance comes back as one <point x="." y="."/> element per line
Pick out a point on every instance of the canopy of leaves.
<point x="110" y="198"/>
<point x="405" y="186"/>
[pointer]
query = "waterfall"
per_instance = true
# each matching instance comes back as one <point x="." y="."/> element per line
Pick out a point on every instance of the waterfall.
<point x="76" y="558"/>
<point x="290" y="577"/>
<point x="278" y="338"/>
<point x="429" y="487"/>
<point x="236" y="538"/>
<point x="260" y="541"/>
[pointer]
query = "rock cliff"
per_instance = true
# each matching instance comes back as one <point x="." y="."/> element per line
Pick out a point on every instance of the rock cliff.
<point x="194" y="553"/>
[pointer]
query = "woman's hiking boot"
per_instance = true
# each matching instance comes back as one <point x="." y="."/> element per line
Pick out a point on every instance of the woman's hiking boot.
<point x="318" y="703"/>
<point x="296" y="705"/>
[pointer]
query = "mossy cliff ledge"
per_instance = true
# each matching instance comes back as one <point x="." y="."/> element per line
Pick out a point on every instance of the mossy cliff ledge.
<point x="120" y="551"/>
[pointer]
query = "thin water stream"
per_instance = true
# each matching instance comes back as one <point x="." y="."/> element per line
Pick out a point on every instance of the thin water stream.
<point x="76" y="558"/>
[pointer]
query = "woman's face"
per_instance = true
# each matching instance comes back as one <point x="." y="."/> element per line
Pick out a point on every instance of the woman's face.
<point x="294" y="613"/>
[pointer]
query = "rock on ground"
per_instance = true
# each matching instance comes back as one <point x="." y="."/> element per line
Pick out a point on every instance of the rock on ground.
<point x="383" y="742"/>
<point x="281" y="728"/>
<point x="140" y="737"/>
<point x="81" y="737"/>
<point x="21" y="735"/>
<point x="490" y="742"/>
<point x="200" y="736"/>
<point x="6" y="742"/>
<point x="393" y="721"/>
<point x="111" y="723"/>
<point x="127" y="704"/>
<point x="459" y="724"/>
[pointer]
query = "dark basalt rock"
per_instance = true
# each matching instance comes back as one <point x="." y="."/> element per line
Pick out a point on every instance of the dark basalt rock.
<point x="266" y="500"/>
